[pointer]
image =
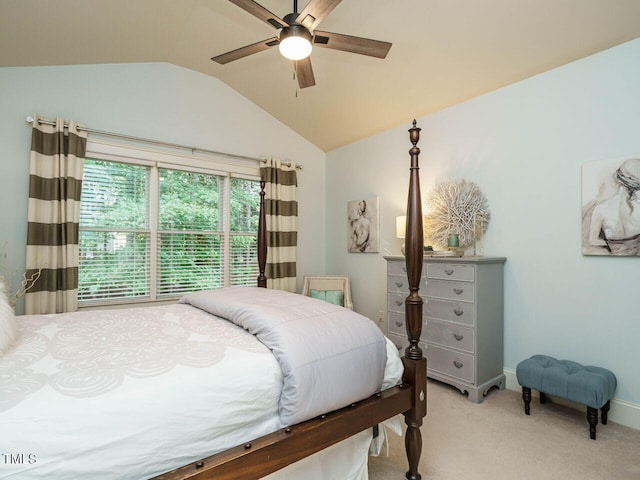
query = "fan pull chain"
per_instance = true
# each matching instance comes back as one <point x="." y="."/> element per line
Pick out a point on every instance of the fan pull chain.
<point x="294" y="78"/>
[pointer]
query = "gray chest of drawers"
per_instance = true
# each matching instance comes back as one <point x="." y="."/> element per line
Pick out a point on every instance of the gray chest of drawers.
<point x="462" y="330"/>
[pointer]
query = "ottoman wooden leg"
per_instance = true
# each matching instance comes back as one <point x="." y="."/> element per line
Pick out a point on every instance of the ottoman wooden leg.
<point x="526" y="396"/>
<point x="605" y="412"/>
<point x="543" y="398"/>
<point x="592" y="418"/>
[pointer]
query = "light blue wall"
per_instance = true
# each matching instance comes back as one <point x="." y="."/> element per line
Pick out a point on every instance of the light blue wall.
<point x="157" y="101"/>
<point x="524" y="146"/>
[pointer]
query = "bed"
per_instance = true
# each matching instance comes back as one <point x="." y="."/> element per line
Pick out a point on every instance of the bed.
<point x="223" y="384"/>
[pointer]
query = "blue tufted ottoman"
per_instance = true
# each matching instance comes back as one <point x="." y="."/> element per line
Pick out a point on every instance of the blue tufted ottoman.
<point x="590" y="386"/>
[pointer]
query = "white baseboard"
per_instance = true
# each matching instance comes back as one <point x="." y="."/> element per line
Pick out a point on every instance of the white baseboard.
<point x="622" y="412"/>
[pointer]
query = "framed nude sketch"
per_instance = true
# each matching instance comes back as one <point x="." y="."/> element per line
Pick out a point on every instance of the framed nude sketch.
<point x="611" y="207"/>
<point x="363" y="225"/>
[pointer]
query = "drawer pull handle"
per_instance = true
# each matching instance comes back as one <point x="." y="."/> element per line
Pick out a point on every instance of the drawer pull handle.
<point x="457" y="336"/>
<point x="399" y="284"/>
<point x="457" y="364"/>
<point x="458" y="311"/>
<point x="398" y="324"/>
<point x="458" y="291"/>
<point x="449" y="271"/>
<point x="399" y="302"/>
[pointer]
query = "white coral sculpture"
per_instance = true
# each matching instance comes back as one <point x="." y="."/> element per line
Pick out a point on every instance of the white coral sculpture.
<point x="455" y="206"/>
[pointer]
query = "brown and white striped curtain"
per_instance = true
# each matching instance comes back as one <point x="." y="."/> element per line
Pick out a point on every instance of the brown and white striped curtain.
<point x="281" y="206"/>
<point x="55" y="182"/>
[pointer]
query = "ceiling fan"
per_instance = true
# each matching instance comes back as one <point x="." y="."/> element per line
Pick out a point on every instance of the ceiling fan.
<point x="297" y="35"/>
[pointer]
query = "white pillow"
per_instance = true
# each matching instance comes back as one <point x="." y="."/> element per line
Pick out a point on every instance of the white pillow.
<point x="8" y="323"/>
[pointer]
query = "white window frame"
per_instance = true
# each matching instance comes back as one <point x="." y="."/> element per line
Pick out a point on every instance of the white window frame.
<point x="156" y="159"/>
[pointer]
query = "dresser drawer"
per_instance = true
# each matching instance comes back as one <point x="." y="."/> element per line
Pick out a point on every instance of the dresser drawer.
<point x="449" y="362"/>
<point x="397" y="268"/>
<point x="450" y="311"/>
<point x="457" y="291"/>
<point x="450" y="271"/>
<point x="398" y="284"/>
<point x="401" y="342"/>
<point x="395" y="302"/>
<point x="449" y="335"/>
<point x="396" y="323"/>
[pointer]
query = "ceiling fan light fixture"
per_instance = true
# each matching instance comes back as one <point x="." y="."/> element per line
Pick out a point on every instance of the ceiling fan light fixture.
<point x="295" y="42"/>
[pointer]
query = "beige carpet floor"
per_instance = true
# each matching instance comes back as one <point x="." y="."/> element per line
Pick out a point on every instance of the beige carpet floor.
<point x="495" y="440"/>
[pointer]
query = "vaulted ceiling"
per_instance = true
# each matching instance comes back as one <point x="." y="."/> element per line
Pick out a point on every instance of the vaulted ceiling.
<point x="444" y="51"/>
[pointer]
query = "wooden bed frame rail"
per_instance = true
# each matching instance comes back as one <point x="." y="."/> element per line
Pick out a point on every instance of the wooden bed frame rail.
<point x="276" y="450"/>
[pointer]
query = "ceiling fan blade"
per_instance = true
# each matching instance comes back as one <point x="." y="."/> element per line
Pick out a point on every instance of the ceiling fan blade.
<point x="347" y="43"/>
<point x="246" y="51"/>
<point x="304" y="72"/>
<point x="260" y="12"/>
<point x="315" y="11"/>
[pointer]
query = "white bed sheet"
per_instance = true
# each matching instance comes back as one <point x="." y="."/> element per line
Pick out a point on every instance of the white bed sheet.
<point x="129" y="403"/>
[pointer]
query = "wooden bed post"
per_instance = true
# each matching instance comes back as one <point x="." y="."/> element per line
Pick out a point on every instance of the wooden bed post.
<point x="262" y="239"/>
<point x="415" y="365"/>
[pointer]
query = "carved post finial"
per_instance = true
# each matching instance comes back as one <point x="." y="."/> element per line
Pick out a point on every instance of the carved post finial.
<point x="414" y="137"/>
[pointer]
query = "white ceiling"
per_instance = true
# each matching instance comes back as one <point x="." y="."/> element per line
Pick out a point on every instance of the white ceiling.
<point x="444" y="51"/>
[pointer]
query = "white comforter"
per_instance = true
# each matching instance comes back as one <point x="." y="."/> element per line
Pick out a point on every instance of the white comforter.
<point x="131" y="393"/>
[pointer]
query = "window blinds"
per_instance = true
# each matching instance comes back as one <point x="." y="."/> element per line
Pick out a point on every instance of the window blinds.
<point x="153" y="233"/>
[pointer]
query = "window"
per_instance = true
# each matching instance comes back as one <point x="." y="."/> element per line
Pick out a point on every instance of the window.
<point x="114" y="232"/>
<point x="155" y="230"/>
